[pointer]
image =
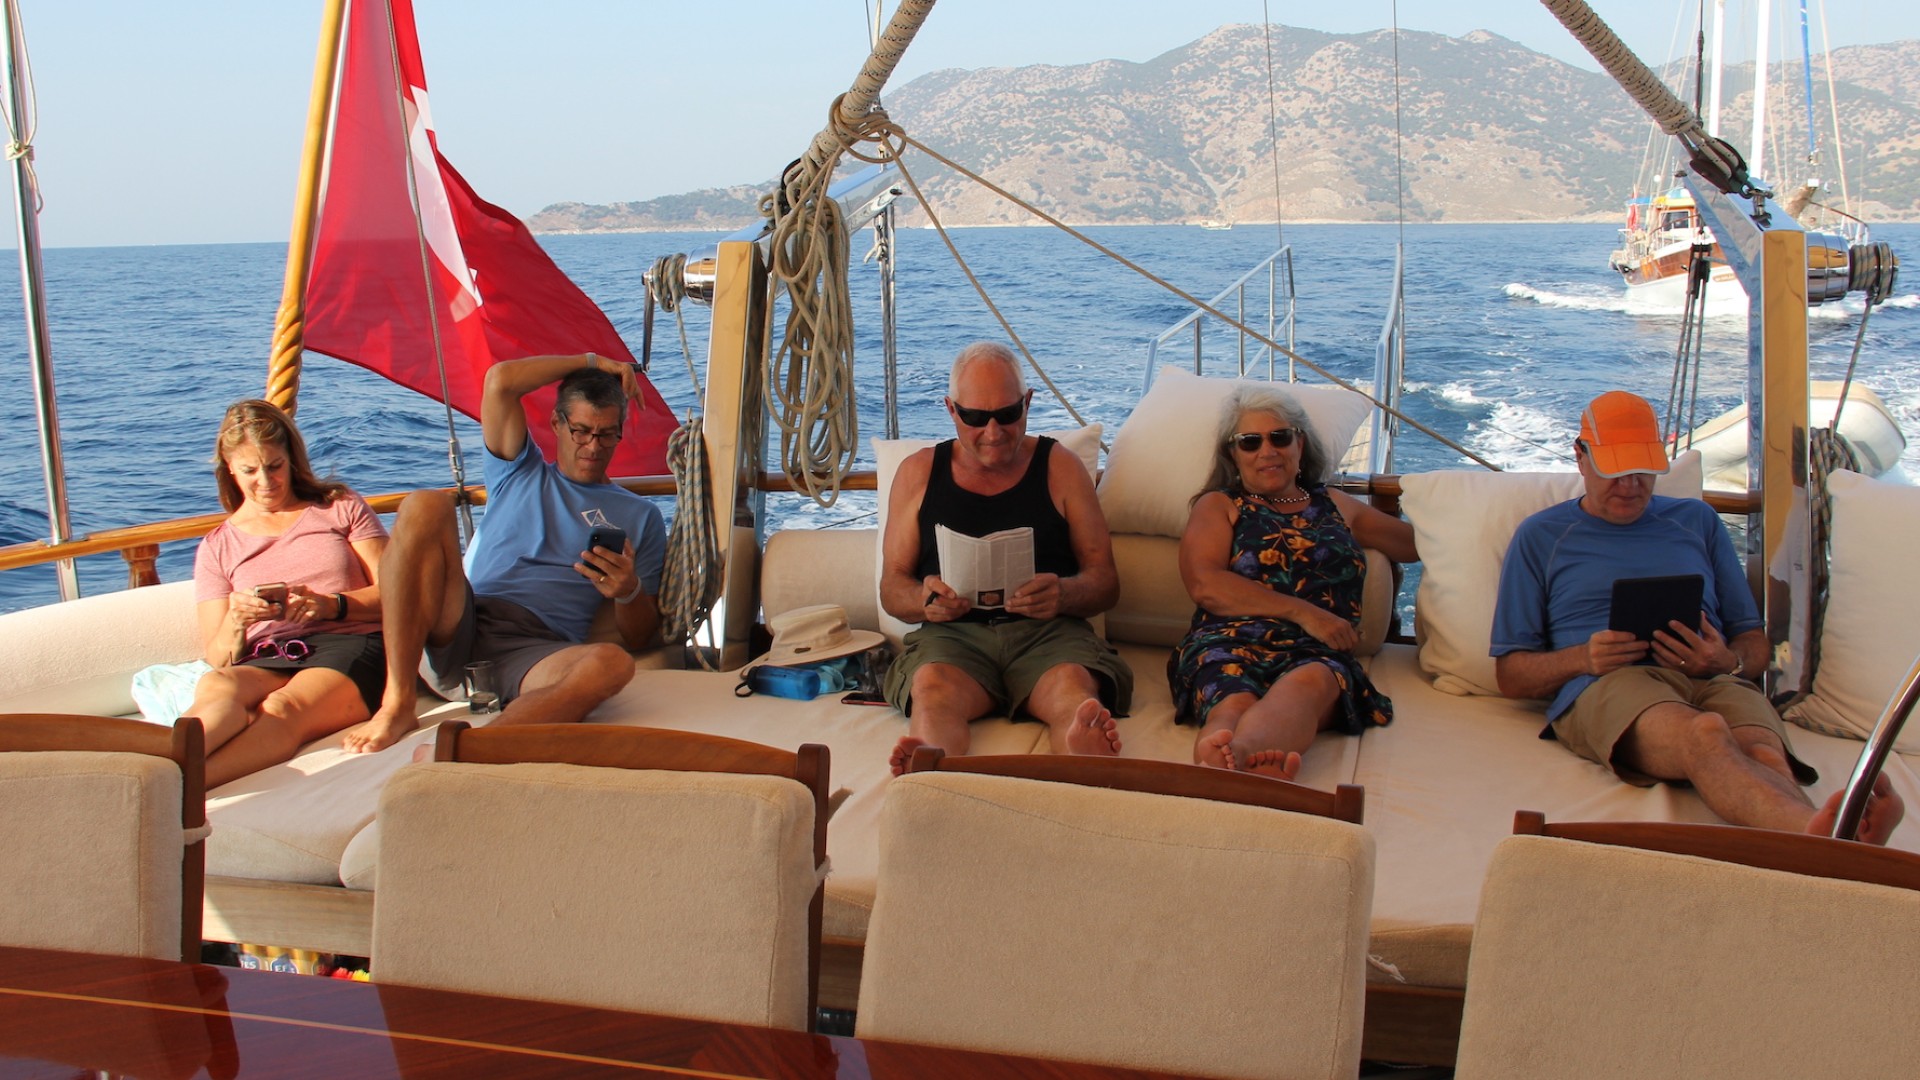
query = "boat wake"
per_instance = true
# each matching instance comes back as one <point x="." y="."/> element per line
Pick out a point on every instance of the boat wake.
<point x="1576" y="298"/>
<point x="1597" y="298"/>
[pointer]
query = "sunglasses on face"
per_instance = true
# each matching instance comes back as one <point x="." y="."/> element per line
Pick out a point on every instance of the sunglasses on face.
<point x="1005" y="416"/>
<point x="1248" y="442"/>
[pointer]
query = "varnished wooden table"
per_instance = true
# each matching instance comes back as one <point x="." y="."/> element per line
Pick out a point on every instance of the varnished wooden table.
<point x="65" y="1012"/>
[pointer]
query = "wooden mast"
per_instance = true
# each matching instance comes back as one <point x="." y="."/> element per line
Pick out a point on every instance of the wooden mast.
<point x="289" y="328"/>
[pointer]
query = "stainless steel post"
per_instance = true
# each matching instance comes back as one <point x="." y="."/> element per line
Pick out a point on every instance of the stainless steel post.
<point x="889" y="345"/>
<point x="39" y="351"/>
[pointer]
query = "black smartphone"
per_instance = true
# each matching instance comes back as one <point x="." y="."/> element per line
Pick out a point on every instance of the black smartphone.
<point x="863" y="697"/>
<point x="606" y="536"/>
<point x="275" y="593"/>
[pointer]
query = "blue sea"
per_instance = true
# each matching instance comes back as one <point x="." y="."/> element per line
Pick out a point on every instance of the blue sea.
<point x="1510" y="329"/>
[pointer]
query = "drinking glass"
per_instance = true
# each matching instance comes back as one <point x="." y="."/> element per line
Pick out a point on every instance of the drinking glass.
<point x="483" y="692"/>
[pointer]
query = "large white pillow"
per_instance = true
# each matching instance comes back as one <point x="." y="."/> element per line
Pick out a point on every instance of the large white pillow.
<point x="1871" y="589"/>
<point x="1164" y="451"/>
<point x="887" y="456"/>
<point x="1463" y="520"/>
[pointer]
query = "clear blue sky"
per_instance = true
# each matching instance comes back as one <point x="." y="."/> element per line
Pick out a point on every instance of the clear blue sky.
<point x="181" y="123"/>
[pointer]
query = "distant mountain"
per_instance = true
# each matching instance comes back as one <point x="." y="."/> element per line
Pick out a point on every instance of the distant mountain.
<point x="1493" y="131"/>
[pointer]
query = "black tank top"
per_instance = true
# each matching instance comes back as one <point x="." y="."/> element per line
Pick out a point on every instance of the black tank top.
<point x="1028" y="502"/>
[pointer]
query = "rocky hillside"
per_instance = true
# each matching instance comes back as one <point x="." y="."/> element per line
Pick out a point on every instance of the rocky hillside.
<point x="1492" y="131"/>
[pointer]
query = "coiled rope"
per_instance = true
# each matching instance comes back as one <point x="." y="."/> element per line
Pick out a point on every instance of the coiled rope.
<point x="1827" y="451"/>
<point x="667" y="284"/>
<point x="809" y="379"/>
<point x="691" y="578"/>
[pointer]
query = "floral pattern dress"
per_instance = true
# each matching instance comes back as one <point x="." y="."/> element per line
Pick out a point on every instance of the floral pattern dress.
<point x="1308" y="553"/>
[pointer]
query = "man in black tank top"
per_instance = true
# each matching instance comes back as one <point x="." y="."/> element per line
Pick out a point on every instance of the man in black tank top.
<point x="1038" y="657"/>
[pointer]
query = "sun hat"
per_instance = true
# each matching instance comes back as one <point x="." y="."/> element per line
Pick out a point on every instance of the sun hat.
<point x="809" y="635"/>
<point x="1622" y="435"/>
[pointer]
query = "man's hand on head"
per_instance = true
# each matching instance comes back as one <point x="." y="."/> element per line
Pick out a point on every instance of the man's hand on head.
<point x="628" y="374"/>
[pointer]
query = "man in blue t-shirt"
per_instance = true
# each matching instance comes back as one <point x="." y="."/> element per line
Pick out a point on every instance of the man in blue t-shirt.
<point x="1680" y="708"/>
<point x="531" y="584"/>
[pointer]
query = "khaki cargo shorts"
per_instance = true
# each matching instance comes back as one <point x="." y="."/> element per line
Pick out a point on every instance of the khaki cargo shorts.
<point x="1008" y="658"/>
<point x="1604" y="711"/>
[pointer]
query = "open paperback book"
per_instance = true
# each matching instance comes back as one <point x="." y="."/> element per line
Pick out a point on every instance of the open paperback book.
<point x="985" y="569"/>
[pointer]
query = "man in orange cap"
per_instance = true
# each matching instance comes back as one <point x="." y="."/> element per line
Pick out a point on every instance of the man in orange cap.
<point x="1679" y="707"/>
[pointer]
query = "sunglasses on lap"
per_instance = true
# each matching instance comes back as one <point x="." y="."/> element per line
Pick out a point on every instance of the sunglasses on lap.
<point x="1248" y="442"/>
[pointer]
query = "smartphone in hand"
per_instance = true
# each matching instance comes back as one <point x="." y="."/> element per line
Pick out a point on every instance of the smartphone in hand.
<point x="608" y="537"/>
<point x="275" y="593"/>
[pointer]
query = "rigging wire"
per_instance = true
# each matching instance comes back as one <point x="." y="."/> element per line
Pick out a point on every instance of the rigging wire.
<point x="1399" y="152"/>
<point x="1184" y="295"/>
<point x="1833" y="107"/>
<point x="21" y="129"/>
<point x="1273" y="128"/>
<point x="461" y="499"/>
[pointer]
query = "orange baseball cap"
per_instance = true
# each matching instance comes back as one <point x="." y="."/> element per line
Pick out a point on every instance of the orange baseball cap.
<point x="1622" y="435"/>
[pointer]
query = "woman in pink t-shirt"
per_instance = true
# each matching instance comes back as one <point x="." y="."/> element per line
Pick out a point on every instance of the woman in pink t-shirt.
<point x="288" y="600"/>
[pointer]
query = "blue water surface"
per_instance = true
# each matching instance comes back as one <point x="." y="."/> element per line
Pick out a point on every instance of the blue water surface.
<point x="1511" y="328"/>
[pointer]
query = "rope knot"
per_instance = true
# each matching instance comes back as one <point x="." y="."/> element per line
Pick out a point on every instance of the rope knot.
<point x="17" y="150"/>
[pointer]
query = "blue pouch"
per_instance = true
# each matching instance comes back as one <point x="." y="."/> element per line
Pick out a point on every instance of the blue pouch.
<point x="804" y="682"/>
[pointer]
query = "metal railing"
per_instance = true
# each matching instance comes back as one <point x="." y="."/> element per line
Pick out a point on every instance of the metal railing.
<point x="1389" y="362"/>
<point x="1279" y="320"/>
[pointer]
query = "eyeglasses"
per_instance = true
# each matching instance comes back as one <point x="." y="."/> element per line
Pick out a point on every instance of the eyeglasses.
<point x="1248" y="442"/>
<point x="1005" y="416"/>
<point x="291" y="649"/>
<point x="583" y="436"/>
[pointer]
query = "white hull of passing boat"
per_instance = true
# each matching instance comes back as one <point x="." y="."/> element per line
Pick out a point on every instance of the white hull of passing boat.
<point x="1866" y="423"/>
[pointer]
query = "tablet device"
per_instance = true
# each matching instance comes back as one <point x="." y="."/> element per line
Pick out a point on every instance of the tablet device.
<point x="1643" y="605"/>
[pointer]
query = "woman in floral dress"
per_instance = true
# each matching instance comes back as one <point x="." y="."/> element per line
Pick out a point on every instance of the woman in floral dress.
<point x="1272" y="558"/>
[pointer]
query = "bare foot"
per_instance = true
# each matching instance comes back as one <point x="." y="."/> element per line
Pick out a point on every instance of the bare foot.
<point x="903" y="752"/>
<point x="1279" y="764"/>
<point x="1884" y="810"/>
<point x="383" y="730"/>
<point x="1092" y="730"/>
<point x="1215" y="750"/>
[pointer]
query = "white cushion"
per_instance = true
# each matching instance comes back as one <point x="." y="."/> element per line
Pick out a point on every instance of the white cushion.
<point x="90" y="849"/>
<point x="1463" y="520"/>
<point x="1872" y="587"/>
<point x="499" y="879"/>
<point x="887" y="456"/>
<point x="1164" y="451"/>
<point x="81" y="656"/>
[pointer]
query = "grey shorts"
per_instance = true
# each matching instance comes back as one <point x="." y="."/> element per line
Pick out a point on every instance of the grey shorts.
<point x="502" y="631"/>
<point x="1604" y="711"/>
<point x="1008" y="658"/>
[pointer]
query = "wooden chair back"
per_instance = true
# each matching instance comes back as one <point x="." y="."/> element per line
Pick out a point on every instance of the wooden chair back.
<point x="621" y="747"/>
<point x="1078" y="879"/>
<point x="1648" y="948"/>
<point x="184" y="744"/>
<point x="1346" y="802"/>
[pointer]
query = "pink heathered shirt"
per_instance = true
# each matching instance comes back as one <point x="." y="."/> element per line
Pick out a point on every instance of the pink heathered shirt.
<point x="313" y="552"/>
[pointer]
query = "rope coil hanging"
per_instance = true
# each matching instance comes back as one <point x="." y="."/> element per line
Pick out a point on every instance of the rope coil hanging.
<point x="809" y="378"/>
<point x="691" y="577"/>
